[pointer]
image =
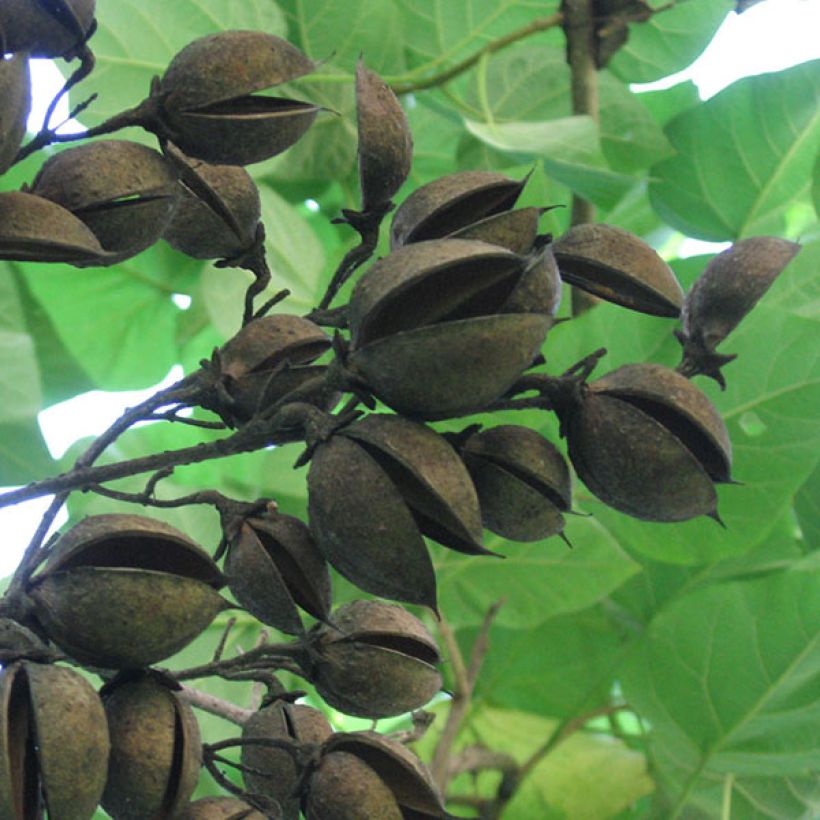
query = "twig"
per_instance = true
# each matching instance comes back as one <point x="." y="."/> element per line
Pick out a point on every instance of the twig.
<point x="220" y="647"/>
<point x="289" y="656"/>
<point x="465" y="679"/>
<point x="215" y="706"/>
<point x="534" y="26"/>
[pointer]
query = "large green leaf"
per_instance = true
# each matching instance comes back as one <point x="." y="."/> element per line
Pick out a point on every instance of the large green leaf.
<point x="729" y="679"/>
<point x="669" y="41"/>
<point x="136" y="39"/>
<point x="745" y="157"/>
<point x="539" y="581"/>
<point x="807" y="508"/>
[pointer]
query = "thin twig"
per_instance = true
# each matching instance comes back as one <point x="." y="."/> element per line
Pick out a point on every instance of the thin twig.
<point x="215" y="706"/>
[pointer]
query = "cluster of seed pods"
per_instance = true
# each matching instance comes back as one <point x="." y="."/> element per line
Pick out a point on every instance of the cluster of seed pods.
<point x="452" y="321"/>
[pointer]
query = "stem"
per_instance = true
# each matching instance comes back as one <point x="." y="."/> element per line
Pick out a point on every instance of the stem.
<point x="215" y="706"/>
<point x="539" y="24"/>
<point x="288" y="656"/>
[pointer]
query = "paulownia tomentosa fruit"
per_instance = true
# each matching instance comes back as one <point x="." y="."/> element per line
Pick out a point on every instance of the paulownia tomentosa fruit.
<point x="45" y="28"/>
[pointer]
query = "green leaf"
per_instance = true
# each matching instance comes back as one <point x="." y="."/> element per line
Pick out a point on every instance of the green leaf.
<point x="539" y="580"/>
<point x="24" y="456"/>
<point x="807" y="509"/>
<point x="569" y="149"/>
<point x="119" y="323"/>
<point x="436" y="130"/>
<point x="670" y="40"/>
<point x="343" y="31"/>
<point x="729" y="680"/>
<point x="19" y="377"/>
<point x="762" y="135"/>
<point x="136" y="39"/>
<point x="573" y="675"/>
<point x="295" y="258"/>
<point x="667" y="103"/>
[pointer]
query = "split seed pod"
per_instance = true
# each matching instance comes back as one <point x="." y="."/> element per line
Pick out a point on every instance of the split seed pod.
<point x="385" y="142"/>
<point x="33" y="229"/>
<point x="156" y="750"/>
<point x="210" y="102"/>
<point x="50" y="29"/>
<point x="452" y="202"/>
<point x="647" y="442"/>
<point x="124" y="192"/>
<point x="430" y="333"/>
<point x="522" y="481"/>
<point x="515" y="230"/>
<point x="218" y="210"/>
<point x="220" y="808"/>
<point x="126" y="591"/>
<point x="374" y="489"/>
<point x="618" y="266"/>
<point x="274" y="564"/>
<point x="273" y="772"/>
<point x="377" y="661"/>
<point x="53" y="743"/>
<point x="726" y="291"/>
<point x="15" y="93"/>
<point x="369" y="769"/>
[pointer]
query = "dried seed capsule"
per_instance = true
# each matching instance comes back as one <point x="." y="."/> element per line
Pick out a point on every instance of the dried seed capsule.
<point x="515" y="230"/>
<point x="522" y="481"/>
<point x="53" y="743"/>
<point x="620" y="267"/>
<point x="126" y="591"/>
<point x="45" y="28"/>
<point x="724" y="293"/>
<point x="218" y="211"/>
<point x="156" y="750"/>
<point x="274" y="564"/>
<point x="539" y="289"/>
<point x="220" y="808"/>
<point x="124" y="192"/>
<point x="377" y="661"/>
<point x="15" y="93"/>
<point x="210" y="102"/>
<point x="273" y="772"/>
<point x="33" y="229"/>
<point x="385" y="143"/>
<point x="452" y="202"/>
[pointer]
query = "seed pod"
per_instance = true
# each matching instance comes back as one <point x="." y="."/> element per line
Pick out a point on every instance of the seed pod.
<point x="124" y="192"/>
<point x="374" y="489"/>
<point x="273" y="772"/>
<point x="45" y="28"/>
<point x="53" y="743"/>
<point x="647" y="442"/>
<point x="218" y="211"/>
<point x="274" y="564"/>
<point x="15" y="93"/>
<point x="452" y="202"/>
<point x="220" y="808"/>
<point x="522" y="481"/>
<point x="385" y="143"/>
<point x="400" y="770"/>
<point x="210" y="103"/>
<point x="620" y="267"/>
<point x="377" y="661"/>
<point x="515" y="230"/>
<point x="18" y="642"/>
<point x="725" y="292"/>
<point x="33" y="229"/>
<point x="539" y="289"/>
<point x="126" y="591"/>
<point x="156" y="750"/>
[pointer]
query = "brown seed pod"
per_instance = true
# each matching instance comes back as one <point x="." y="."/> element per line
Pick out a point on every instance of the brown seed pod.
<point x="385" y="143"/>
<point x="647" y="442"/>
<point x="220" y="808"/>
<point x="45" y="29"/>
<point x="522" y="481"/>
<point x="725" y="292"/>
<point x="53" y="743"/>
<point x="274" y="564"/>
<point x="124" y="192"/>
<point x="620" y="267"/>
<point x="515" y="230"/>
<point x="15" y="93"/>
<point x="33" y="229"/>
<point x="452" y="202"/>
<point x="377" y="661"/>
<point x="125" y="591"/>
<point x="539" y="289"/>
<point x="210" y="104"/>
<point x="273" y="772"/>
<point x="217" y="213"/>
<point x="156" y="750"/>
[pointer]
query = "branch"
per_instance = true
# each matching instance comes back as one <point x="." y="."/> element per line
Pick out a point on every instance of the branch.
<point x="539" y="24"/>
<point x="215" y="706"/>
